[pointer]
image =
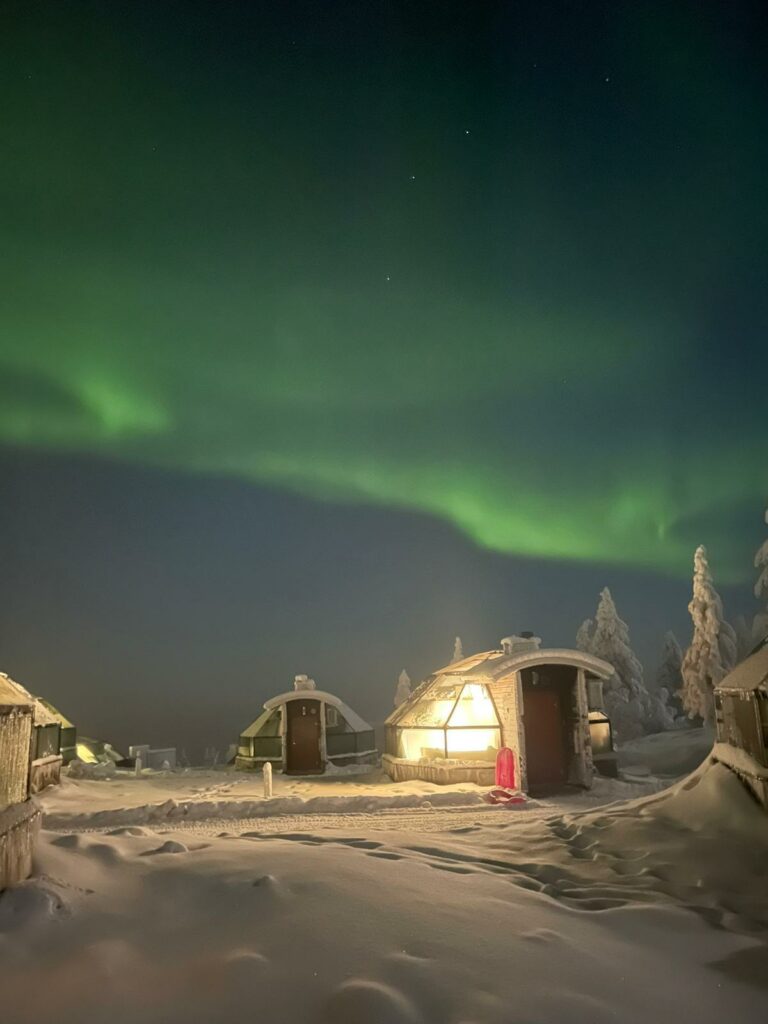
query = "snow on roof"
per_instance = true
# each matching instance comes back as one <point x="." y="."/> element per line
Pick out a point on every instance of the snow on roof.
<point x="496" y="664"/>
<point x="255" y="727"/>
<point x="42" y="713"/>
<point x="63" y="721"/>
<point x="351" y="717"/>
<point x="12" y="693"/>
<point x="750" y="674"/>
<point x="491" y="666"/>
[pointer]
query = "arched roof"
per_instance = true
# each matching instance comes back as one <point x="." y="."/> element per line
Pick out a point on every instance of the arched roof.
<point x="558" y="656"/>
<point x="497" y="664"/>
<point x="357" y="723"/>
<point x="491" y="666"/>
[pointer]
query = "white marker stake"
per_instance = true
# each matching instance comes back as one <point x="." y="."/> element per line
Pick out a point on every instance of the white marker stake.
<point x="138" y="766"/>
<point x="267" y="780"/>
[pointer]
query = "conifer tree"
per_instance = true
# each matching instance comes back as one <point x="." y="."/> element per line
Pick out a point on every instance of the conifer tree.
<point x="403" y="688"/>
<point x="627" y="701"/>
<point x="760" y="624"/>
<point x="712" y="652"/>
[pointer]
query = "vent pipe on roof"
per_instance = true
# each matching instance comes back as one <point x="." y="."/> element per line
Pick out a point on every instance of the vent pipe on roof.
<point x="303" y="683"/>
<point x="519" y="643"/>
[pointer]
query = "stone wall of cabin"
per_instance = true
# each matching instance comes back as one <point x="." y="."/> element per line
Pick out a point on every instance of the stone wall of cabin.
<point x="582" y="768"/>
<point x="507" y="694"/>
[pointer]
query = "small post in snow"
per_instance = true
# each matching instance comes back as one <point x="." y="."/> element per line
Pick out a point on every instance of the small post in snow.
<point x="138" y="765"/>
<point x="267" y="780"/>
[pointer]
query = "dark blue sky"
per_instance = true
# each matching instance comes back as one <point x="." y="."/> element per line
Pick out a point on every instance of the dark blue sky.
<point x="329" y="330"/>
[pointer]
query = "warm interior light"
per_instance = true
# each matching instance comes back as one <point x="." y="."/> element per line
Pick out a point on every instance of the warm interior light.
<point x="86" y="755"/>
<point x="480" y="743"/>
<point x="600" y="733"/>
<point x="474" y="707"/>
<point x="418" y="743"/>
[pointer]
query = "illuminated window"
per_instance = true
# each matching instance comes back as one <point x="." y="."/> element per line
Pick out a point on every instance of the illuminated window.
<point x="453" y="719"/>
<point x="435" y="707"/>
<point x="600" y="733"/>
<point x="474" y="744"/>
<point x="415" y="744"/>
<point x="474" y="707"/>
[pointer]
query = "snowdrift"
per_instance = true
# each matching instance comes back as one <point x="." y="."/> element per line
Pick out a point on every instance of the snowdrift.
<point x="589" y="918"/>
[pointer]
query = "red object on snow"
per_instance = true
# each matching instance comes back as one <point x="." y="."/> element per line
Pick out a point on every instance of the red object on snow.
<point x="505" y="769"/>
<point x="504" y="797"/>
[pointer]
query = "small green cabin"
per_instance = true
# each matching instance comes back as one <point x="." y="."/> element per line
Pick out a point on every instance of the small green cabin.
<point x="305" y="731"/>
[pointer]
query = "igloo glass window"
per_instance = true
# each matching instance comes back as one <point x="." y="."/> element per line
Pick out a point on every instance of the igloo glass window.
<point x="473" y="731"/>
<point x="434" y="709"/>
<point x="474" y="708"/>
<point x="417" y="744"/>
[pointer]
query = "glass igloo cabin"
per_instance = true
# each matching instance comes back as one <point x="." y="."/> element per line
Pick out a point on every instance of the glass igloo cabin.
<point x="535" y="701"/>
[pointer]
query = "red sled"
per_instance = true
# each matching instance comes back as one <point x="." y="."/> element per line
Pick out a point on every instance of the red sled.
<point x="504" y="797"/>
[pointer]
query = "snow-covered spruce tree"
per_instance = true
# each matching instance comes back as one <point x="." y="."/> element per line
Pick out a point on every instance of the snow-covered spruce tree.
<point x="713" y="647"/>
<point x="458" y="650"/>
<point x="403" y="688"/>
<point x="584" y="636"/>
<point x="748" y="633"/>
<point x="627" y="701"/>
<point x="668" y="676"/>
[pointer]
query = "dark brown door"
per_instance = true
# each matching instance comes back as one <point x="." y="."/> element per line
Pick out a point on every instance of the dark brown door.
<point x="303" y="740"/>
<point x="544" y="741"/>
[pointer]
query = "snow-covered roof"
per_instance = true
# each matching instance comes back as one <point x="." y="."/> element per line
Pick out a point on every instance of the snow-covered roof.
<point x="488" y="668"/>
<point x="13" y="694"/>
<point x="354" y="720"/>
<point x="750" y="674"/>
<point x="43" y="715"/>
<point x="63" y="721"/>
<point x="496" y="664"/>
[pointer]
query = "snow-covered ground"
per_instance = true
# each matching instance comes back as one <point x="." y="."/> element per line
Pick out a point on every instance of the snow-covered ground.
<point x="651" y="910"/>
<point x="200" y="795"/>
<point x="666" y="755"/>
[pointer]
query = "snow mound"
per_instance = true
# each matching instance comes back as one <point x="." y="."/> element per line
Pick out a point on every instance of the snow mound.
<point x="370" y="1001"/>
<point x="31" y="904"/>
<point x="169" y="846"/>
<point x="100" y="771"/>
<point x="669" y="754"/>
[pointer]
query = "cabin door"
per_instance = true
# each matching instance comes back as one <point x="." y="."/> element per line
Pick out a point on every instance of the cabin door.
<point x="303" y="737"/>
<point x="544" y="738"/>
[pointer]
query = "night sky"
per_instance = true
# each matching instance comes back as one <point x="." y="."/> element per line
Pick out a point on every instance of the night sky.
<point x="331" y="330"/>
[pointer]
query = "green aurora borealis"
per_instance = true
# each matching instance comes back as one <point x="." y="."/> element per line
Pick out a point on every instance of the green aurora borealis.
<point x="513" y="284"/>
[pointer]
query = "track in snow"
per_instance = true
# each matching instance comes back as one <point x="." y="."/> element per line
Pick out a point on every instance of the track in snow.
<point x="388" y="820"/>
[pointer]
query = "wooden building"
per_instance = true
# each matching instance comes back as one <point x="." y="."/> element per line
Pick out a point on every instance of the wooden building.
<point x="534" y="701"/>
<point x="741" y="721"/>
<point x="46" y="757"/>
<point x="19" y="815"/>
<point x="304" y="731"/>
<point x="67" y="732"/>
